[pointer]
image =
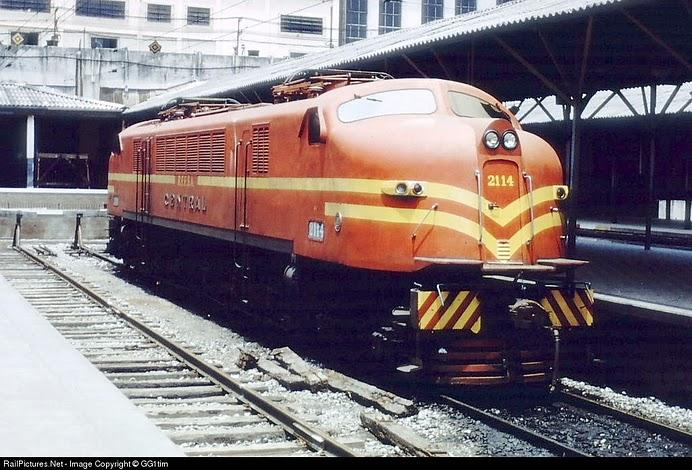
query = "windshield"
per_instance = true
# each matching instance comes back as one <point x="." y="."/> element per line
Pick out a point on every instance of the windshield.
<point x="387" y="103"/>
<point x="470" y="106"/>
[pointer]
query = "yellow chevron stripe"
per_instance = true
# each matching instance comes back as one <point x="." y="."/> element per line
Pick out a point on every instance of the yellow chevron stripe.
<point x="470" y="310"/>
<point x="456" y="303"/>
<point x="476" y="326"/>
<point x="554" y="320"/>
<point x="404" y="216"/>
<point x="434" y="308"/>
<point x="354" y="185"/>
<point x="566" y="311"/>
<point x="583" y="309"/>
<point x="441" y="219"/>
<point x="394" y="215"/>
<point x="510" y="212"/>
<point x="422" y="298"/>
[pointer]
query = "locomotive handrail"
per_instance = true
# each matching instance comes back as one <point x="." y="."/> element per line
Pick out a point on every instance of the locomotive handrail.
<point x="529" y="183"/>
<point x="244" y="226"/>
<point x="433" y="208"/>
<point x="480" y="206"/>
<point x="235" y="186"/>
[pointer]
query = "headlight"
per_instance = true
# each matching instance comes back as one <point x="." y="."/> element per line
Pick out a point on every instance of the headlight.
<point x="510" y="140"/>
<point x="491" y="139"/>
<point x="404" y="188"/>
<point x="561" y="192"/>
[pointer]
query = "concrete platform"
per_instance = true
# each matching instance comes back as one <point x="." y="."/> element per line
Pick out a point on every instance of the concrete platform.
<point x="53" y="402"/>
<point x="663" y="232"/>
<point x="639" y="281"/>
<point x="49" y="214"/>
<point x="636" y="224"/>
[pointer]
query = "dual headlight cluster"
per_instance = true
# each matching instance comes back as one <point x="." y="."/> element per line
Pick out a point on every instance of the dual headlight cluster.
<point x="404" y="188"/>
<point x="509" y="140"/>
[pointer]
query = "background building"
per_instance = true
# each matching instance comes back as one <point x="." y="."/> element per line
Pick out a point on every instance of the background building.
<point x="126" y="51"/>
<point x="367" y="18"/>
<point x="267" y="28"/>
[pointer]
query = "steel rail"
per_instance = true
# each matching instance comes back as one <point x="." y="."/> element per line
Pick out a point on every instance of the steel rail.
<point x="314" y="439"/>
<point x="676" y="434"/>
<point x="520" y="432"/>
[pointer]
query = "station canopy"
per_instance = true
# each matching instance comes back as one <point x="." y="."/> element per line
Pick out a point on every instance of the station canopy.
<point x="23" y="99"/>
<point x="629" y="103"/>
<point x="517" y="50"/>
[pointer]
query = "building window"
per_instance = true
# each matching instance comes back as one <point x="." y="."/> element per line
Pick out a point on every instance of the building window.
<point x="253" y="53"/>
<point x="432" y="10"/>
<point x="104" y="43"/>
<point x="101" y="8"/>
<point x="301" y="24"/>
<point x="33" y="5"/>
<point x="158" y="13"/>
<point x="198" y="16"/>
<point x="390" y="15"/>
<point x="356" y="20"/>
<point x="465" y="6"/>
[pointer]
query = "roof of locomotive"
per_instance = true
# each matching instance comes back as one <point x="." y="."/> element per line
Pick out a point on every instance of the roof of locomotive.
<point x="329" y="100"/>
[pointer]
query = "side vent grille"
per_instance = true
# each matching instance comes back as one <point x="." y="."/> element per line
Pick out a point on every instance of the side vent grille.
<point x="260" y="149"/>
<point x="504" y="252"/>
<point x="191" y="153"/>
<point x="218" y="153"/>
<point x="136" y="155"/>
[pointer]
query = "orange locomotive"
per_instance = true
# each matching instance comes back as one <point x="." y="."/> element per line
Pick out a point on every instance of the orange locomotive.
<point x="422" y="198"/>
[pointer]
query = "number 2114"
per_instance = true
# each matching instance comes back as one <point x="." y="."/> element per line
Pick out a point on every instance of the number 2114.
<point x="500" y="180"/>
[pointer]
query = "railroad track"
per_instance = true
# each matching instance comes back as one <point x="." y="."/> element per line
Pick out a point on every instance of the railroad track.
<point x="537" y="437"/>
<point x="577" y="420"/>
<point x="200" y="407"/>
<point x="663" y="429"/>
<point x="504" y="425"/>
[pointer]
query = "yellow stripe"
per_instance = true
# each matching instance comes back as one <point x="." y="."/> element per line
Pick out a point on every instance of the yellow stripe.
<point x="422" y="298"/>
<point x="476" y="326"/>
<point x="554" y="320"/>
<point x="425" y="321"/>
<point x="389" y="214"/>
<point x="583" y="309"/>
<point x="132" y="178"/>
<point x="404" y="216"/>
<point x="566" y="311"/>
<point x="367" y="186"/>
<point x="541" y="223"/>
<point x="441" y="219"/>
<point x="442" y="323"/>
<point x="470" y="310"/>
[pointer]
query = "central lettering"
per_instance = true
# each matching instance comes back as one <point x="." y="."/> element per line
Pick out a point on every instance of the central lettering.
<point x="185" y="202"/>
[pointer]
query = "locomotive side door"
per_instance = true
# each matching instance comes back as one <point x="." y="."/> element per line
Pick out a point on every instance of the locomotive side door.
<point x="240" y="210"/>
<point x="143" y="177"/>
<point x="240" y="276"/>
